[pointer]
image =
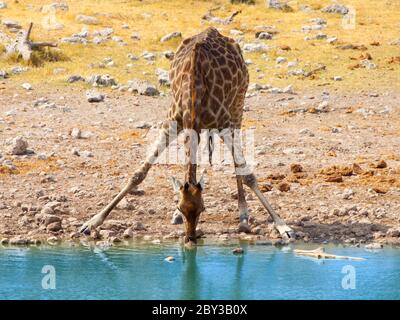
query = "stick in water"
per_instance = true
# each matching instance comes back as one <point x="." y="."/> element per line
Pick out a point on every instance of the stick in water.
<point x="319" y="253"/>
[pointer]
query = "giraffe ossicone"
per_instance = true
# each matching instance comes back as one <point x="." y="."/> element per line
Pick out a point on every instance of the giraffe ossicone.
<point x="209" y="80"/>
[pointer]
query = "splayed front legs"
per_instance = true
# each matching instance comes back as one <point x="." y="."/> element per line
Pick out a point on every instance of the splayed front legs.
<point x="244" y="175"/>
<point x="162" y="142"/>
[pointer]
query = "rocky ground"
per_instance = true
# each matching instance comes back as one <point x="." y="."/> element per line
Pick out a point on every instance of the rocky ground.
<point x="327" y="160"/>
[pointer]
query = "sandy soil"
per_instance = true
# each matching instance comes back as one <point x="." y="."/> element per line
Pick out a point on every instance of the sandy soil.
<point x="358" y="128"/>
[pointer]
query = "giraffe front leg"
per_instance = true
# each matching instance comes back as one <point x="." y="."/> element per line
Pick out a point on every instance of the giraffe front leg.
<point x="164" y="139"/>
<point x="243" y="211"/>
<point x="284" y="230"/>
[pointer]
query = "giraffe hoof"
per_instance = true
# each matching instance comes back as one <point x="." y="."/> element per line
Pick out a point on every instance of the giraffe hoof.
<point x="244" y="227"/>
<point x="285" y="232"/>
<point x="85" y="230"/>
<point x="93" y="223"/>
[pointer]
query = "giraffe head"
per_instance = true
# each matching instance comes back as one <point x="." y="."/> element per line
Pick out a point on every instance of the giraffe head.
<point x="190" y="204"/>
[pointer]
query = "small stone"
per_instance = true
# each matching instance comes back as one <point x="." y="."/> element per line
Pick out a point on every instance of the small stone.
<point x="296" y="167"/>
<point x="18" y="146"/>
<point x="86" y="19"/>
<point x="93" y="96"/>
<point x="3" y="5"/>
<point x="169" y="259"/>
<point x="373" y="246"/>
<point x="393" y="232"/>
<point x="125" y="205"/>
<point x="334" y="179"/>
<point x="347" y="194"/>
<point x="53" y="240"/>
<point x="264" y="36"/>
<point x="27" y="86"/>
<point x="337" y="78"/>
<point x="135" y="36"/>
<point x="128" y="233"/>
<point x="238" y="250"/>
<point x="336" y="8"/>
<point x="284" y="187"/>
<point x="281" y="60"/>
<point x="171" y="35"/>
<point x="4" y="241"/>
<point x="138" y="226"/>
<point x="54" y="227"/>
<point x="381" y="164"/>
<point x="76" y="133"/>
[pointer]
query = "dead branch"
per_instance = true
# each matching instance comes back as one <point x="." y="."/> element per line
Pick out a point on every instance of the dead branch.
<point x="23" y="46"/>
<point x="210" y="17"/>
<point x="319" y="253"/>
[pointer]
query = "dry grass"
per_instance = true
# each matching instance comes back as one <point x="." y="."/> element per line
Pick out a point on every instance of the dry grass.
<point x="372" y="25"/>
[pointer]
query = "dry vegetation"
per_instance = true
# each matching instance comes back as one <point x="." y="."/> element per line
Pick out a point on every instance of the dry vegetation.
<point x="376" y="23"/>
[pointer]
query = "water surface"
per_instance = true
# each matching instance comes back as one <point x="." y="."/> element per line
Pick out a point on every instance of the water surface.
<point x="209" y="272"/>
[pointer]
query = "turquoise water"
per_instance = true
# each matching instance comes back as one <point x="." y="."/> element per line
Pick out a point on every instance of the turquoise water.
<point x="209" y="272"/>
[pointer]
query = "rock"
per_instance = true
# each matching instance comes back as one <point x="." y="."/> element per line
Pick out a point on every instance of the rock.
<point x="11" y="24"/>
<point x="138" y="226"/>
<point x="171" y="35"/>
<point x="4" y="241"/>
<point x="128" y="233"/>
<point x="86" y="154"/>
<point x="3" y="5"/>
<point x="237" y="251"/>
<point x="86" y="19"/>
<point x="284" y="187"/>
<point x="337" y="78"/>
<point x="169" y="259"/>
<point x="264" y="36"/>
<point x="75" y="78"/>
<point x="177" y="217"/>
<point x="149" y="56"/>
<point x="367" y="64"/>
<point x="373" y="246"/>
<point x="275" y="4"/>
<point x="53" y="240"/>
<point x="142" y="87"/>
<point x="243" y="1"/>
<point x="163" y="77"/>
<point x="18" y="146"/>
<point x="76" y="133"/>
<point x="135" y="36"/>
<point x="101" y="80"/>
<point x="94" y="96"/>
<point x="169" y="54"/>
<point x="334" y="179"/>
<point x="296" y="167"/>
<point x="49" y="219"/>
<point x="381" y="164"/>
<point x="255" y="47"/>
<point x="54" y="227"/>
<point x="347" y="194"/>
<point x="125" y="205"/>
<point x="3" y="74"/>
<point x="323" y="106"/>
<point x="18" y="241"/>
<point x="393" y="232"/>
<point x="57" y="6"/>
<point x="336" y="8"/>
<point x="281" y="60"/>
<point x="27" y="86"/>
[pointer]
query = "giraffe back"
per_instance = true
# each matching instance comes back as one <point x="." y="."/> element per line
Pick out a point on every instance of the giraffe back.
<point x="209" y="80"/>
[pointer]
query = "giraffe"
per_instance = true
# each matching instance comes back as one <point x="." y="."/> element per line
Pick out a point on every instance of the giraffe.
<point x="209" y="80"/>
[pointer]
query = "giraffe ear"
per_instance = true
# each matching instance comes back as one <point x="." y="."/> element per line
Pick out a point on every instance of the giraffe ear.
<point x="176" y="184"/>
